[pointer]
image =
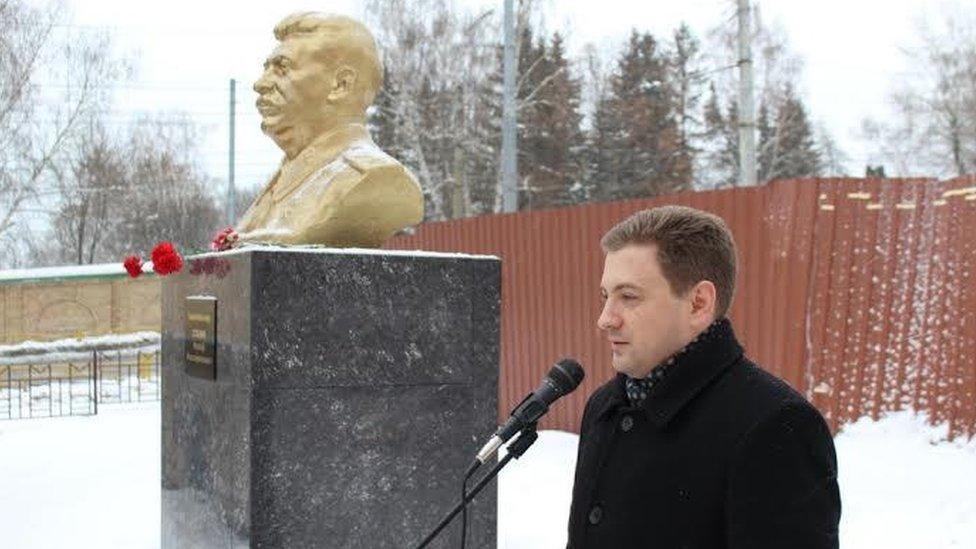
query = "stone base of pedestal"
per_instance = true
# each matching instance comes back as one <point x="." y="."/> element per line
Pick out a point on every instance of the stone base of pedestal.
<point x="351" y="391"/>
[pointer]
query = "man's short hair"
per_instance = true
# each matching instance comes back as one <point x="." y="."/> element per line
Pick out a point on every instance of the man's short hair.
<point x="357" y="44"/>
<point x="692" y="246"/>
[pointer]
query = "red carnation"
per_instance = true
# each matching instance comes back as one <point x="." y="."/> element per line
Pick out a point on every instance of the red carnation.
<point x="224" y="240"/>
<point x="166" y="259"/>
<point x="133" y="264"/>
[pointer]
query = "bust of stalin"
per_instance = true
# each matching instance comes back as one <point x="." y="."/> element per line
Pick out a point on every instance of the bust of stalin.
<point x="335" y="186"/>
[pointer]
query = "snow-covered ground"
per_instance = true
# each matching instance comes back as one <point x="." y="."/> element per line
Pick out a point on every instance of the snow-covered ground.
<point x="83" y="482"/>
<point x="902" y="485"/>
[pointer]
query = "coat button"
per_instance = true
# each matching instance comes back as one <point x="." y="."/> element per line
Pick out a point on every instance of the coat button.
<point x="627" y="423"/>
<point x="596" y="514"/>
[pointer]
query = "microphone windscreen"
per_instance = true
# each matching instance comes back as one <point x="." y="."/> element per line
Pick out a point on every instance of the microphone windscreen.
<point x="567" y="375"/>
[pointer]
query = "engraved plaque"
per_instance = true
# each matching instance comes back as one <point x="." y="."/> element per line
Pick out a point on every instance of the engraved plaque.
<point x="201" y="336"/>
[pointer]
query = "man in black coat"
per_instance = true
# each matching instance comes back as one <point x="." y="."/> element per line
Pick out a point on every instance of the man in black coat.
<point x="691" y="445"/>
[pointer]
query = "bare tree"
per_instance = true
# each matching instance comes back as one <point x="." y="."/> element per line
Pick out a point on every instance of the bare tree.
<point x="125" y="193"/>
<point x="166" y="196"/>
<point x="440" y="109"/>
<point x="50" y="81"/>
<point x="436" y="59"/>
<point x="787" y="145"/>
<point x="53" y="79"/>
<point x="834" y="160"/>
<point x="90" y="189"/>
<point x="934" y="128"/>
<point x="775" y="64"/>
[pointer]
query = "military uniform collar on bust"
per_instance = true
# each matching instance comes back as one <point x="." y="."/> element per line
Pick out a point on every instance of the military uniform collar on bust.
<point x="694" y="367"/>
<point x="320" y="152"/>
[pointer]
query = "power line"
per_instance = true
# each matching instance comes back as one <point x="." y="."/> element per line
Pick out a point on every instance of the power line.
<point x="144" y="85"/>
<point x="121" y="118"/>
<point x="148" y="116"/>
<point x="164" y="30"/>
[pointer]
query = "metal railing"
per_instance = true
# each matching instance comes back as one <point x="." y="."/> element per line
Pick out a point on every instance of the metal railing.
<point x="78" y="388"/>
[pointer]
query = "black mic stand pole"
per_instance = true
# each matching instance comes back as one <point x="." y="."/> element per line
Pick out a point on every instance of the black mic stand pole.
<point x="527" y="436"/>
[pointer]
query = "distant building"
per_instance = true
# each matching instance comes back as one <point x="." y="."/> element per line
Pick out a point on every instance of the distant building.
<point x="76" y="301"/>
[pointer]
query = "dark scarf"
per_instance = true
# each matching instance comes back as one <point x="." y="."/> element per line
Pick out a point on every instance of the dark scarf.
<point x="637" y="389"/>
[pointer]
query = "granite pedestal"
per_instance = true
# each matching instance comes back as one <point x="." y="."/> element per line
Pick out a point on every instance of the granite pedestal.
<point x="351" y="392"/>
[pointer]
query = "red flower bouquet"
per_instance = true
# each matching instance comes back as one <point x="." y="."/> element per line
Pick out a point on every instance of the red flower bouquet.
<point x="225" y="240"/>
<point x="133" y="265"/>
<point x="166" y="260"/>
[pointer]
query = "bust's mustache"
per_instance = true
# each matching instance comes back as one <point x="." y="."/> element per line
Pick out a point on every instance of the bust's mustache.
<point x="267" y="105"/>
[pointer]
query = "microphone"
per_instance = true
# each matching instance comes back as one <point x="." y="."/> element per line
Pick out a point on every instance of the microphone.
<point x="562" y="379"/>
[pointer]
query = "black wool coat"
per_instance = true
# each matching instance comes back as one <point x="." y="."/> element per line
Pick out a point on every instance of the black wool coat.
<point x="720" y="455"/>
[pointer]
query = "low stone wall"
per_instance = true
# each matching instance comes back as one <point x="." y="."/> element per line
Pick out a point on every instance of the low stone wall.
<point x="44" y="308"/>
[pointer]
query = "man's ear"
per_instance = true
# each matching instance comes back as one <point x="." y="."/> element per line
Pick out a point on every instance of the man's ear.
<point x="343" y="83"/>
<point x="703" y="302"/>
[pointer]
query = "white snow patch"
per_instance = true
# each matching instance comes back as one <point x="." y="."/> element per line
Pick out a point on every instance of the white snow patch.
<point x="80" y="343"/>
<point x="534" y="494"/>
<point x="903" y="485"/>
<point x="82" y="482"/>
<point x="63" y="271"/>
<point x="340" y="251"/>
<point x="78" y="349"/>
<point x="70" y="271"/>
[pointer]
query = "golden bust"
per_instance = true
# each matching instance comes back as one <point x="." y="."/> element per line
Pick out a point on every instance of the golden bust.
<point x="334" y="186"/>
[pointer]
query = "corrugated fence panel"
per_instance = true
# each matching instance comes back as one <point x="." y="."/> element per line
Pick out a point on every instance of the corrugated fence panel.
<point x="821" y="378"/>
<point x="959" y="251"/>
<point x="857" y="292"/>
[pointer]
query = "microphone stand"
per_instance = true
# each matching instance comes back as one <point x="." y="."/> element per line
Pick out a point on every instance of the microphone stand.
<point x="527" y="436"/>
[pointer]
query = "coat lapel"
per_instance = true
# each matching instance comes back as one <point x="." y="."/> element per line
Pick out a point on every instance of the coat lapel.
<point x="694" y="370"/>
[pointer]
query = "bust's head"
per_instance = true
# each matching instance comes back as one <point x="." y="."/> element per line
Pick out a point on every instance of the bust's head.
<point x="324" y="73"/>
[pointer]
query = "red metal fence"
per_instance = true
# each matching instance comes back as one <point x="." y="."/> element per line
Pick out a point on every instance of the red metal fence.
<point x="858" y="292"/>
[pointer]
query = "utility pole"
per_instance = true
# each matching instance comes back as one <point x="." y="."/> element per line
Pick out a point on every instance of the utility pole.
<point x="509" y="171"/>
<point x="230" y="207"/>
<point x="747" y="106"/>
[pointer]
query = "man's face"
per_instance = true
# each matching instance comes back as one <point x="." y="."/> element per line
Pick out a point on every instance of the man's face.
<point x="293" y="90"/>
<point x="643" y="320"/>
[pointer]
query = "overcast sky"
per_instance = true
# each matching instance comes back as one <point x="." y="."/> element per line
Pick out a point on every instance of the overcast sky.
<point x="185" y="52"/>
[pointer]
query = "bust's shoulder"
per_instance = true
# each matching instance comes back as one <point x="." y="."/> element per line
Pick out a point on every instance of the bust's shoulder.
<point x="364" y="157"/>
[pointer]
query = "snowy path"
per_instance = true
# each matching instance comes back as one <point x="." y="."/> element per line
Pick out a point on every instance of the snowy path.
<point x="93" y="482"/>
